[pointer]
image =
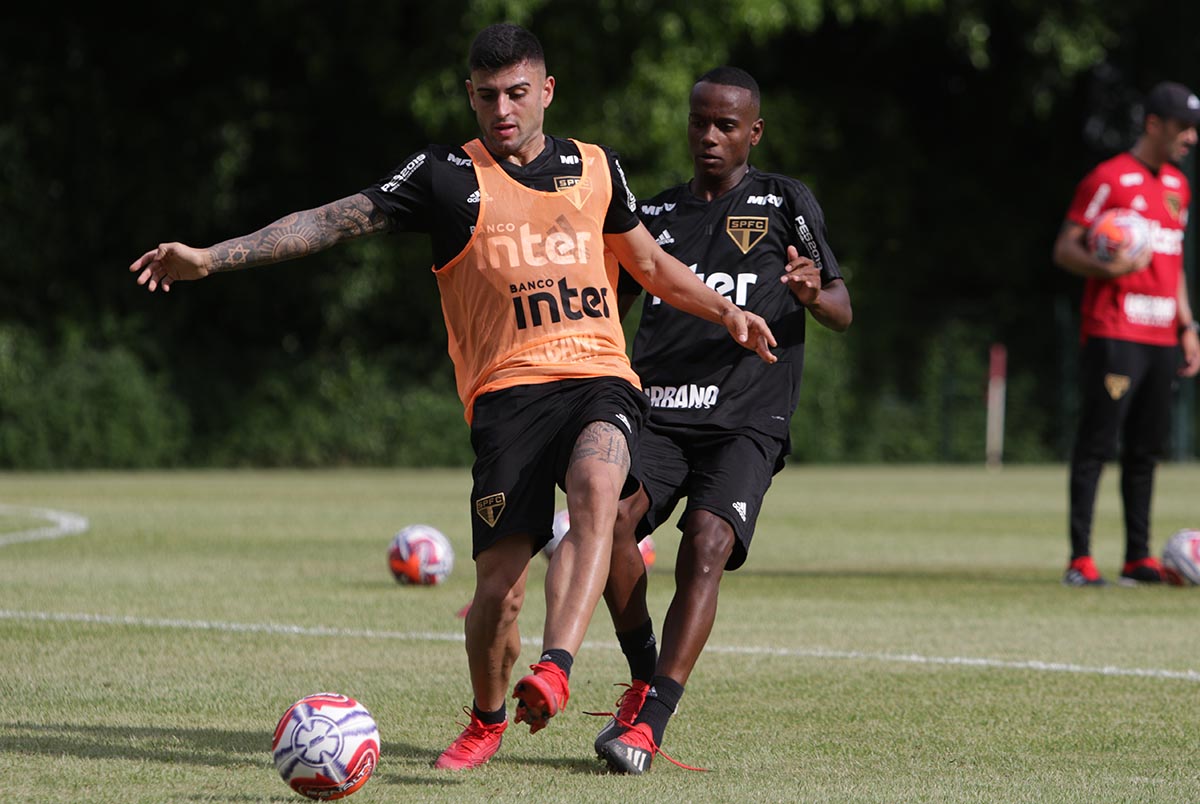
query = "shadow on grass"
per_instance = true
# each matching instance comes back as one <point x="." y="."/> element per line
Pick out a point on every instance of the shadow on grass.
<point x="420" y="759"/>
<point x="213" y="747"/>
<point x="226" y="748"/>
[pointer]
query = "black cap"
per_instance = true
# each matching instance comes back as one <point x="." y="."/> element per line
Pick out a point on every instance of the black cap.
<point x="1174" y="101"/>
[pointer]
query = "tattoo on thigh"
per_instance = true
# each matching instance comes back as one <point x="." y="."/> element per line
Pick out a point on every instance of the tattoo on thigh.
<point x="604" y="441"/>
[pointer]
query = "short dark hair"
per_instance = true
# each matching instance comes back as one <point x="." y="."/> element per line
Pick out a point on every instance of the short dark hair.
<point x="503" y="45"/>
<point x="727" y="76"/>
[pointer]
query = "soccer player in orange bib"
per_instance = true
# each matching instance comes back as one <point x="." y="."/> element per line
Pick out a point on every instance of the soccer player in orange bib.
<point x="520" y="223"/>
<point x="1135" y="317"/>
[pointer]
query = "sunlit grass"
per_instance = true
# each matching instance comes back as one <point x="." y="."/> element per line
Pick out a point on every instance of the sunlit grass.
<point x="898" y="634"/>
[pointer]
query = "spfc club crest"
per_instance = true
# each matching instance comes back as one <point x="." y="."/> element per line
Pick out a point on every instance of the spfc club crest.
<point x="1116" y="385"/>
<point x="1173" y="203"/>
<point x="577" y="189"/>
<point x="746" y="230"/>
<point x="490" y="508"/>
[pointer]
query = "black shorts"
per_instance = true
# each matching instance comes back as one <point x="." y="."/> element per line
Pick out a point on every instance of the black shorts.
<point x="724" y="472"/>
<point x="1125" y="398"/>
<point x="523" y="438"/>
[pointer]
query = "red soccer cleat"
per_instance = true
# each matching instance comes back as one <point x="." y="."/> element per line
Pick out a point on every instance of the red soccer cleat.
<point x="628" y="706"/>
<point x="1145" y="570"/>
<point x="632" y="752"/>
<point x="541" y="695"/>
<point x="1082" y="572"/>
<point x="474" y="747"/>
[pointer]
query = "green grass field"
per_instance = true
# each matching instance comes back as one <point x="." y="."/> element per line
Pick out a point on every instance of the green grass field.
<point x="899" y="634"/>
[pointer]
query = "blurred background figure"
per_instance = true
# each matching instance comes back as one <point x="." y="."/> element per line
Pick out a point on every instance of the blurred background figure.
<point x="1135" y="320"/>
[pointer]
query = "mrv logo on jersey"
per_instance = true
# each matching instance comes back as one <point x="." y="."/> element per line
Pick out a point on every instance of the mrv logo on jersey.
<point x="573" y="303"/>
<point x="682" y="396"/>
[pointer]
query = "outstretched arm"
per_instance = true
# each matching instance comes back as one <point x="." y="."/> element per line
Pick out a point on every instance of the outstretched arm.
<point x="670" y="280"/>
<point x="292" y="236"/>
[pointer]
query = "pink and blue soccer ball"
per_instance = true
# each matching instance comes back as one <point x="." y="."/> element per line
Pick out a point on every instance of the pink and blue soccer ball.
<point x="326" y="746"/>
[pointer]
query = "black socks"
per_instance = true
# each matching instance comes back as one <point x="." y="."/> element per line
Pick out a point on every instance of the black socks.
<point x="661" y="703"/>
<point x="490" y="718"/>
<point x="641" y="651"/>
<point x="560" y="657"/>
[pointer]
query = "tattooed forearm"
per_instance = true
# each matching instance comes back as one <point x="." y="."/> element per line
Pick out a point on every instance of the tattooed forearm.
<point x="604" y="441"/>
<point x="300" y="234"/>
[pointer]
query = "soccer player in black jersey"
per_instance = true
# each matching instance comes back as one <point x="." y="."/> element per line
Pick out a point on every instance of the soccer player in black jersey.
<point x="718" y="425"/>
<point x="519" y="231"/>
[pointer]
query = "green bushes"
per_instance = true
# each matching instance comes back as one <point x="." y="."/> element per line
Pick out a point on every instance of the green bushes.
<point x="844" y="416"/>
<point x="343" y="410"/>
<point x="85" y="403"/>
<point x="83" y="406"/>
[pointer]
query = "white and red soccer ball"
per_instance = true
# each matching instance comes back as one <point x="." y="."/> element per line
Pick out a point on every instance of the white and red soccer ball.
<point x="1116" y="231"/>
<point x="1181" y="558"/>
<point x="326" y="746"/>
<point x="420" y="555"/>
<point x="562" y="523"/>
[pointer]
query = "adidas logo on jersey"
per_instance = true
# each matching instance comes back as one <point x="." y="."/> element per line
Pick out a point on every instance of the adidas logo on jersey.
<point x="473" y="198"/>
<point x="740" y="507"/>
<point x="665" y="238"/>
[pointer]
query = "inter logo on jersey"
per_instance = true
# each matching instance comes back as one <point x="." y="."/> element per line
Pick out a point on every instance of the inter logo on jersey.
<point x="576" y="189"/>
<point x="746" y="230"/>
<point x="547" y="306"/>
<point x="1173" y="203"/>
<point x="490" y="507"/>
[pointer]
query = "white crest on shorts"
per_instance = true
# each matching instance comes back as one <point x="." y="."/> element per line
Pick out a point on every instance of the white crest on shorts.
<point x="740" y="507"/>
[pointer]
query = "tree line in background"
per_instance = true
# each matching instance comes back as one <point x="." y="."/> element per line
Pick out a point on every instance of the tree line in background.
<point x="943" y="140"/>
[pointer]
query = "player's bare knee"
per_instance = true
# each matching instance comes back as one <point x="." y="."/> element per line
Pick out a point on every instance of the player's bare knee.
<point x="711" y="540"/>
<point x="592" y="495"/>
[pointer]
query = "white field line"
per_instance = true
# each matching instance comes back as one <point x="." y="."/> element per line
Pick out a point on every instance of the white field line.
<point x="1032" y="665"/>
<point x="62" y="523"/>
